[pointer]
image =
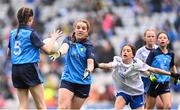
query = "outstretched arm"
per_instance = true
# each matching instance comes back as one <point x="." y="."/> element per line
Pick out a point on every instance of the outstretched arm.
<point x="90" y="64"/>
<point x="63" y="50"/>
<point x="105" y="65"/>
<point x="89" y="69"/>
<point x="174" y="69"/>
<point x="159" y="71"/>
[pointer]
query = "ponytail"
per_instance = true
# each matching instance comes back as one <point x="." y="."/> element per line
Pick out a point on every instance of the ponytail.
<point x="17" y="33"/>
<point x="23" y="16"/>
<point x="73" y="37"/>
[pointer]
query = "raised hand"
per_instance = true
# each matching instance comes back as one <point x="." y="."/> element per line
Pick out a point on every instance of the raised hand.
<point x="56" y="34"/>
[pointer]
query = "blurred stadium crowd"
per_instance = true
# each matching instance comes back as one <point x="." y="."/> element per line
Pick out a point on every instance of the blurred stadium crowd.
<point x="114" y="23"/>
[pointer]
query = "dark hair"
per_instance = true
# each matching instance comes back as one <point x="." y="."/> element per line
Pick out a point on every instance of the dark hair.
<point x="162" y="32"/>
<point x="169" y="46"/>
<point x="23" y="16"/>
<point x="132" y="48"/>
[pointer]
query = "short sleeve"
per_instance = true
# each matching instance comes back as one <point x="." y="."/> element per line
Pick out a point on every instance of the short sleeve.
<point x="35" y="40"/>
<point x="138" y="54"/>
<point x="150" y="58"/>
<point x="90" y="50"/>
<point x="116" y="61"/>
<point x="172" y="60"/>
<point x="141" y="66"/>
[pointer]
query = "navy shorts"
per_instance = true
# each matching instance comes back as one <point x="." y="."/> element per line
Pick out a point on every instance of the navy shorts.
<point x="146" y="82"/>
<point x="26" y="75"/>
<point x="157" y="88"/>
<point x="79" y="90"/>
<point x="134" y="101"/>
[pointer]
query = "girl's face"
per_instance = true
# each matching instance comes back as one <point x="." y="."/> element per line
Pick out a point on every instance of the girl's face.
<point x="150" y="37"/>
<point x="81" y="31"/>
<point x="163" y="40"/>
<point x="127" y="53"/>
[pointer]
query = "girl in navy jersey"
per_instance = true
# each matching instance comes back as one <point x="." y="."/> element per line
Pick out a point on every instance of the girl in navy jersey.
<point x="24" y="51"/>
<point x="79" y="63"/>
<point x="162" y="58"/>
<point x="127" y="78"/>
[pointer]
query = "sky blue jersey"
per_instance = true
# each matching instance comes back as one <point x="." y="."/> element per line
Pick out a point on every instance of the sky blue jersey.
<point x="76" y="61"/>
<point x="24" y="49"/>
<point x="163" y="61"/>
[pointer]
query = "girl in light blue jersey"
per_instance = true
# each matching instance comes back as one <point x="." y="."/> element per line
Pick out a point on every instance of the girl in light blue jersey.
<point x="127" y="78"/>
<point x="162" y="58"/>
<point x="24" y="51"/>
<point x="79" y="63"/>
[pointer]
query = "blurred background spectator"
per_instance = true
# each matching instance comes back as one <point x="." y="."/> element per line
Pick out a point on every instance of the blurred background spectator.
<point x="114" y="22"/>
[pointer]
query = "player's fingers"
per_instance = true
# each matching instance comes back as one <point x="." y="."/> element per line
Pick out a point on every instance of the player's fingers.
<point x="60" y="32"/>
<point x="51" y="57"/>
<point x="57" y="31"/>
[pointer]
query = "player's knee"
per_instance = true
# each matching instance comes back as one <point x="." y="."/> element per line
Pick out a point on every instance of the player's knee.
<point x="159" y="105"/>
<point x="167" y="106"/>
<point x="149" y="106"/>
<point x="64" y="105"/>
<point x="40" y="104"/>
<point x="23" y="105"/>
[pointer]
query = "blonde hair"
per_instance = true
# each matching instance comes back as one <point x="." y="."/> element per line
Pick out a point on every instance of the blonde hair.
<point x="84" y="21"/>
<point x="149" y="30"/>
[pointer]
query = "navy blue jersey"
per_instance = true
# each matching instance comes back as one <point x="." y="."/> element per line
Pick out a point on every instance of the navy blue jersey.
<point x="25" y="49"/>
<point x="76" y="61"/>
<point x="163" y="61"/>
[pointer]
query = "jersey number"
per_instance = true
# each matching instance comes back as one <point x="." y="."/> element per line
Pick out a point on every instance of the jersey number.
<point x="17" y="49"/>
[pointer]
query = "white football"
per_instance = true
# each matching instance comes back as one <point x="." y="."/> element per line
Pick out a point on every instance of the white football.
<point x="55" y="45"/>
